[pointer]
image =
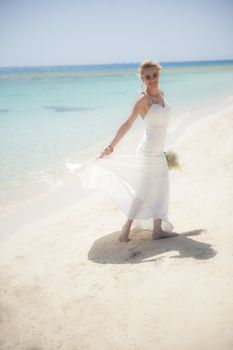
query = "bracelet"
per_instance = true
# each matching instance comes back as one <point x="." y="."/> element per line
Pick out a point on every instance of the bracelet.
<point x="108" y="147"/>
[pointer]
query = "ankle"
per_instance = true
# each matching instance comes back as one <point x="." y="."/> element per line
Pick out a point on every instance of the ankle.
<point x="157" y="225"/>
<point x="157" y="228"/>
<point x="129" y="222"/>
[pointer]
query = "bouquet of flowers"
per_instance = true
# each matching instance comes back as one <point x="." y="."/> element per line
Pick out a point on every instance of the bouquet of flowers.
<point x="172" y="160"/>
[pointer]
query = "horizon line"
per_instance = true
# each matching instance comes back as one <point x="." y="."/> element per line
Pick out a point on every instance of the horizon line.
<point x="117" y="63"/>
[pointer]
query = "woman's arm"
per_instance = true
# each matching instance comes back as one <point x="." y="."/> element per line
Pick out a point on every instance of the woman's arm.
<point x="124" y="128"/>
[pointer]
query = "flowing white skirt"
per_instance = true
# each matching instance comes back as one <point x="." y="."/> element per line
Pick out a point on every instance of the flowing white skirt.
<point x="138" y="184"/>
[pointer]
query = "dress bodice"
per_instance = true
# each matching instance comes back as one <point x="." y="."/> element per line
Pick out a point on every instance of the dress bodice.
<point x="157" y="116"/>
<point x="156" y="122"/>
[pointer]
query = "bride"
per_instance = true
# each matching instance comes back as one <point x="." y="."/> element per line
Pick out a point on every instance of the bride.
<point x="149" y="74"/>
<point x="138" y="183"/>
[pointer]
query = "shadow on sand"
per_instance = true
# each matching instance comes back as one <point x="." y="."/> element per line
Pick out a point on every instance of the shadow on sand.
<point x="142" y="248"/>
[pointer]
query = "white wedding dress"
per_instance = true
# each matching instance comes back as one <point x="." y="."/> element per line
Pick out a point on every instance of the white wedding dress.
<point x="138" y="184"/>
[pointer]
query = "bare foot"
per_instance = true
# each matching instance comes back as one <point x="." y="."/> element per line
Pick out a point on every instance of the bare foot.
<point x="163" y="234"/>
<point x="124" y="234"/>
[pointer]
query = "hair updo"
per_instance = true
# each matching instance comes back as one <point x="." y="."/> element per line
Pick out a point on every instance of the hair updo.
<point x="148" y="64"/>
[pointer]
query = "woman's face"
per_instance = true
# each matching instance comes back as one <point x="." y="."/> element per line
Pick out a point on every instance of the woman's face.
<point x="150" y="77"/>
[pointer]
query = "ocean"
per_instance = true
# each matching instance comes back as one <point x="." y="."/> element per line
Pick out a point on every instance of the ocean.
<point x="52" y="115"/>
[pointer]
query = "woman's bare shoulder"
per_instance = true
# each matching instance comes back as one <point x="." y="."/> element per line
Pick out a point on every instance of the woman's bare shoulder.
<point x="142" y="98"/>
<point x="141" y="104"/>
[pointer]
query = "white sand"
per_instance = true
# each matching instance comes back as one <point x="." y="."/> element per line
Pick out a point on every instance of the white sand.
<point x="68" y="283"/>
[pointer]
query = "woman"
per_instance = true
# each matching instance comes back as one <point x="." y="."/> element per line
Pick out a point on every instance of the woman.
<point x="139" y="183"/>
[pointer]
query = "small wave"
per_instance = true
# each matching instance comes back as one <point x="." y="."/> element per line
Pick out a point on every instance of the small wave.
<point x="69" y="109"/>
<point x="4" y="110"/>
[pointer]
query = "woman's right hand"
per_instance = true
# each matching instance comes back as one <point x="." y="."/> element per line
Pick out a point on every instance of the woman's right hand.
<point x="106" y="151"/>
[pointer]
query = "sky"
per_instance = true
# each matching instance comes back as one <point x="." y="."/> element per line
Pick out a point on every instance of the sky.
<point x="73" y="32"/>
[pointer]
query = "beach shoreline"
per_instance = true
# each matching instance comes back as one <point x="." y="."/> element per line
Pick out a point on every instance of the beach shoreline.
<point x="67" y="192"/>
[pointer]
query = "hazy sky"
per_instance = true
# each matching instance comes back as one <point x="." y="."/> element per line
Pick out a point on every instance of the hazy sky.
<point x="56" y="32"/>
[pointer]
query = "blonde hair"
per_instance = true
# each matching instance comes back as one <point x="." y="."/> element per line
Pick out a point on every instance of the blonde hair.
<point x="147" y="64"/>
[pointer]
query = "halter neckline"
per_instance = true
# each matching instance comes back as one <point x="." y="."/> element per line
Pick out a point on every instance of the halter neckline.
<point x="155" y="103"/>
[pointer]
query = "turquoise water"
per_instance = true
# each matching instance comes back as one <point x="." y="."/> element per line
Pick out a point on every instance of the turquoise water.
<point x="51" y="115"/>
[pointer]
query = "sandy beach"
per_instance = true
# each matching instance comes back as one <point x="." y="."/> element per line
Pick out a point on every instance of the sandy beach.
<point x="67" y="283"/>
